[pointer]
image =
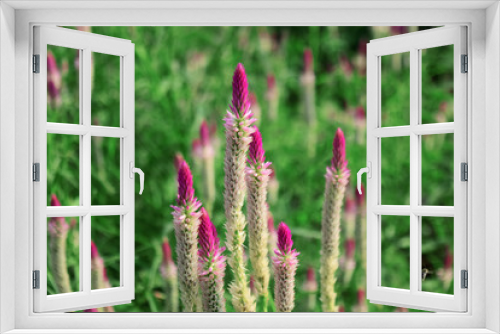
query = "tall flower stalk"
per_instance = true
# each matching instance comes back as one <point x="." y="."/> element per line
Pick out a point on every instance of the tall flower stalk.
<point x="308" y="81"/>
<point x="203" y="150"/>
<point x="211" y="266"/>
<point x="186" y="222"/>
<point x="98" y="273"/>
<point x="58" y="234"/>
<point x="337" y="177"/>
<point x="169" y="274"/>
<point x="238" y="123"/>
<point x="285" y="265"/>
<point x="257" y="178"/>
<point x="54" y="81"/>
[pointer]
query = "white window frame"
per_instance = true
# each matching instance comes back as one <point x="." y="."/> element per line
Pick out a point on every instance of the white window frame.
<point x="483" y="126"/>
<point x="86" y="43"/>
<point x="414" y="43"/>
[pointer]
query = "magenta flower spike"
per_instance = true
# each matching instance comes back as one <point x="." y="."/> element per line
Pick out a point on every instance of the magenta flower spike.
<point x="445" y="274"/>
<point x="337" y="177"/>
<point x="360" y="122"/>
<point x="178" y="160"/>
<point x="285" y="264"/>
<point x="58" y="233"/>
<point x="257" y="179"/>
<point x="238" y="124"/>
<point x="97" y="268"/>
<point x="168" y="271"/>
<point x="308" y="61"/>
<point x="211" y="266"/>
<point x="204" y="153"/>
<point x="53" y="81"/>
<point x="361" y="302"/>
<point x="186" y="221"/>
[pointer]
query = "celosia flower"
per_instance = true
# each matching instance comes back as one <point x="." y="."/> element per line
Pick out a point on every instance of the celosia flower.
<point x="272" y="96"/>
<point x="204" y="152"/>
<point x="337" y="177"/>
<point x="285" y="264"/>
<point x="186" y="221"/>
<point x="445" y="274"/>
<point x="178" y="160"/>
<point x="53" y="81"/>
<point x="349" y="260"/>
<point x="257" y="177"/>
<point x="346" y="67"/>
<point x="361" y="302"/>
<point x="308" y="61"/>
<point x="311" y="287"/>
<point x="238" y="124"/>
<point x="58" y="233"/>
<point x="169" y="273"/>
<point x="97" y="268"/>
<point x="211" y="266"/>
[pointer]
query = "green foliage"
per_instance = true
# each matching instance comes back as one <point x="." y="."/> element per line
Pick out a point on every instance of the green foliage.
<point x="183" y="75"/>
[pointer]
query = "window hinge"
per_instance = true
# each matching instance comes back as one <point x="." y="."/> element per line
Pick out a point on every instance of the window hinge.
<point x="465" y="64"/>
<point x="36" y="172"/>
<point x="465" y="279"/>
<point x="36" y="63"/>
<point x="36" y="279"/>
<point x="464" y="168"/>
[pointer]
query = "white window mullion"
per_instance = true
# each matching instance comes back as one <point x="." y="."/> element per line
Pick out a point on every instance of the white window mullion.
<point x="86" y="163"/>
<point x="414" y="170"/>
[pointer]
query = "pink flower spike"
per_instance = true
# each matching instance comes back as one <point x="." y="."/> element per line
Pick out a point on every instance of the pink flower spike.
<point x="256" y="151"/>
<point x="240" y="102"/>
<point x="339" y="162"/>
<point x="204" y="134"/>
<point x="285" y="242"/>
<point x="360" y="198"/>
<point x="54" y="201"/>
<point x="94" y="253"/>
<point x="207" y="235"/>
<point x="308" y="60"/>
<point x="186" y="190"/>
<point x="360" y="113"/>
<point x="271" y="82"/>
<point x="178" y="160"/>
<point x="167" y="252"/>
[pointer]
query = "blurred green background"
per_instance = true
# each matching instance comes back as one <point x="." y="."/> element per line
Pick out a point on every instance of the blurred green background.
<point x="183" y="76"/>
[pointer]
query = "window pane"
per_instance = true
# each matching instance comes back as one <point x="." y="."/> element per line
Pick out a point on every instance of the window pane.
<point x="63" y="168"/>
<point x="437" y="169"/>
<point x="105" y="252"/>
<point x="437" y="84"/>
<point x="63" y="85"/>
<point x="395" y="89"/>
<point x="105" y="171"/>
<point x="105" y="78"/>
<point x="437" y="254"/>
<point x="395" y="249"/>
<point x="63" y="255"/>
<point x="395" y="170"/>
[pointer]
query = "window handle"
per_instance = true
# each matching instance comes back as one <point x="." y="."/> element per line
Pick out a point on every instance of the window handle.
<point x="141" y="175"/>
<point x="368" y="171"/>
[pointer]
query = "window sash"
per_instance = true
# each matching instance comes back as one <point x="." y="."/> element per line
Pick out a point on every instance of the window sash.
<point x="86" y="43"/>
<point x="413" y="43"/>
